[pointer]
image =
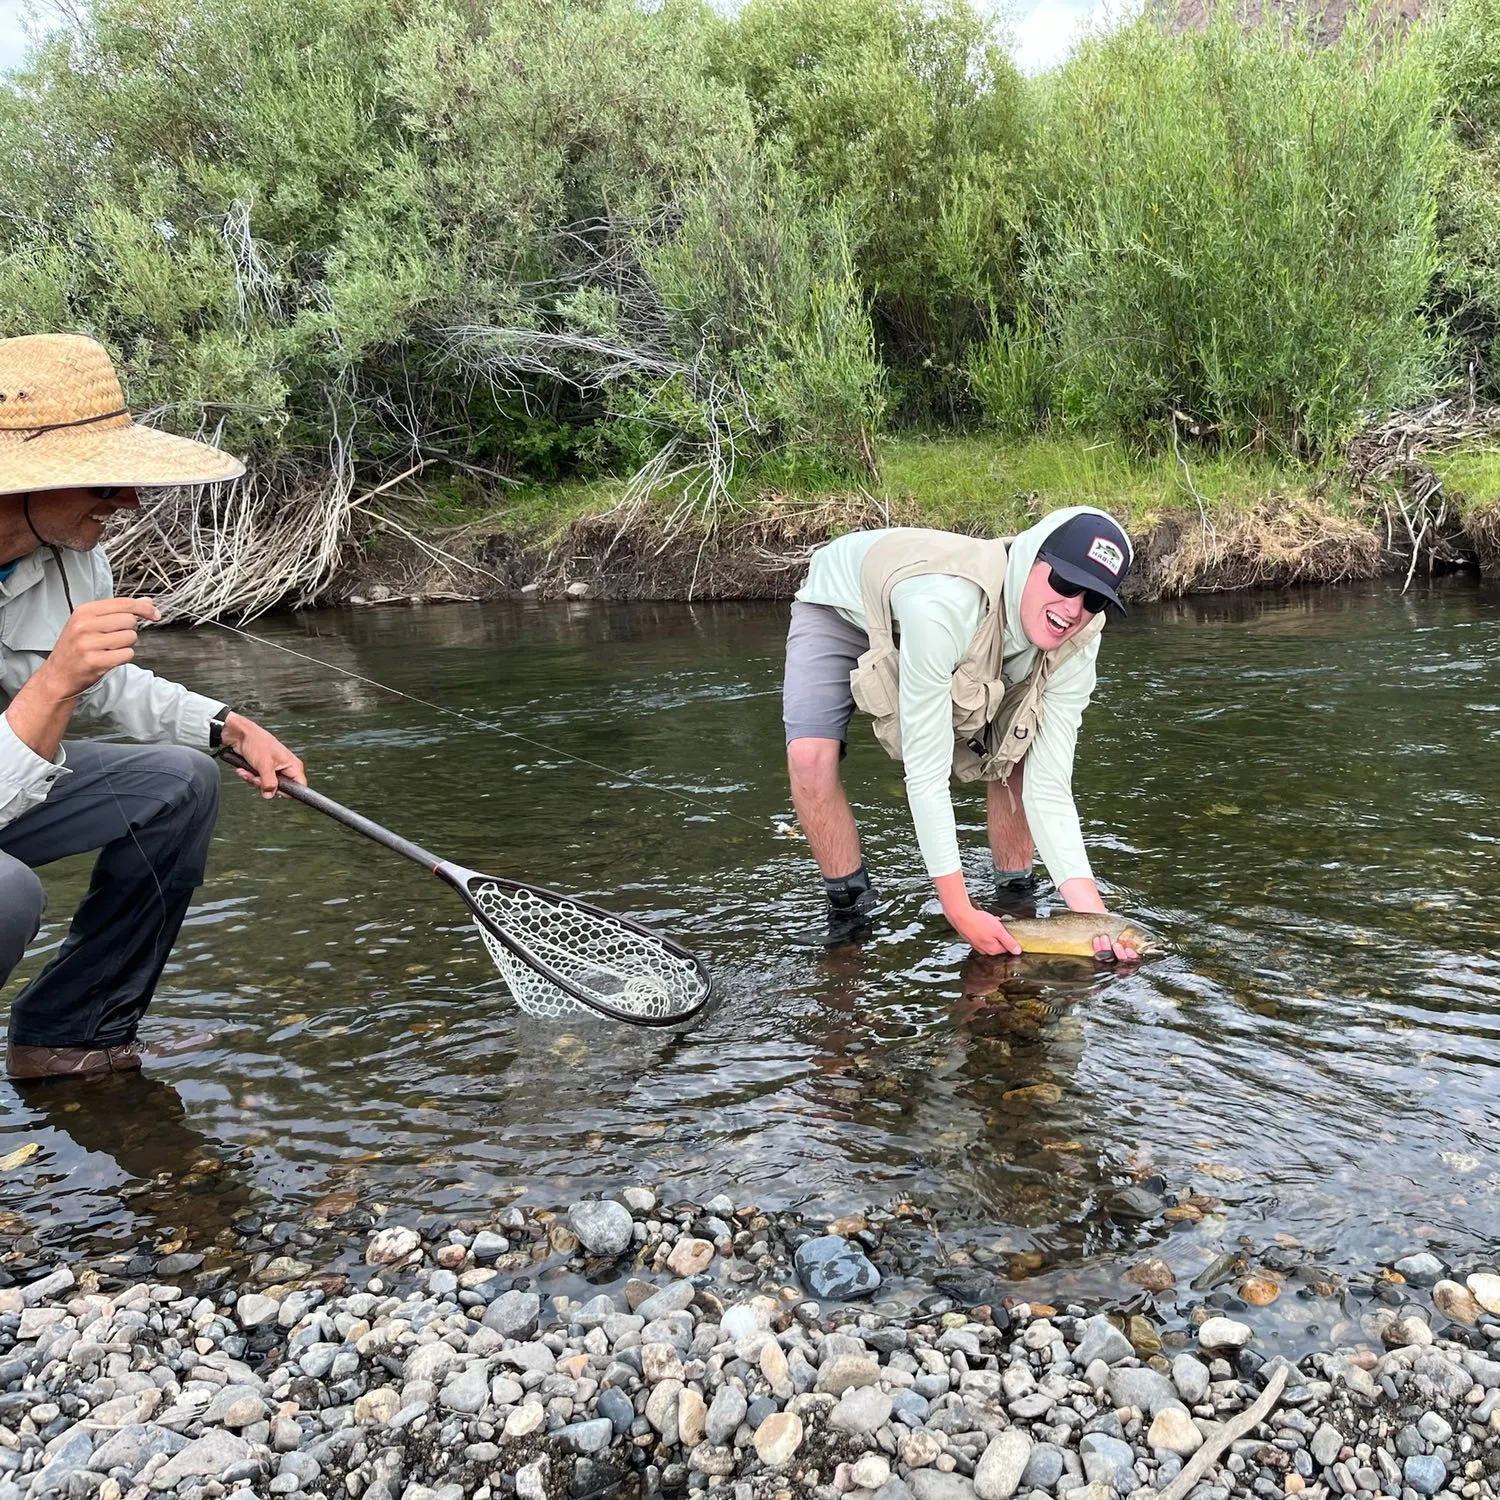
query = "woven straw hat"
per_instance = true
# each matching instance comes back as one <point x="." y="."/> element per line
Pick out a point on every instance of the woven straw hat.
<point x="63" y="423"/>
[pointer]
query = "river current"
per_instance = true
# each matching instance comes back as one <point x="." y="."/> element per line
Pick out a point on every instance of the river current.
<point x="1298" y="791"/>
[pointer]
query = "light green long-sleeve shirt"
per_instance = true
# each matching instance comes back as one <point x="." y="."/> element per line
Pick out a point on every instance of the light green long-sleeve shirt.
<point x="937" y="616"/>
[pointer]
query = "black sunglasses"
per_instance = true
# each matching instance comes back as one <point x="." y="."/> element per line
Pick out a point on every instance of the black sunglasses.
<point x="105" y="491"/>
<point x="1093" y="600"/>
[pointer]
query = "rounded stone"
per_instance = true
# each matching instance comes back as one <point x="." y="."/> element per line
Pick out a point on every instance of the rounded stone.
<point x="1173" y="1431"/>
<point x="389" y="1247"/>
<point x="1224" y="1333"/>
<point x="1425" y="1473"/>
<point x="1485" y="1288"/>
<point x="778" y="1438"/>
<point x="1456" y="1303"/>
<point x="997" y="1476"/>
<point x="690" y="1256"/>
<point x="603" y="1228"/>
<point x="833" y="1270"/>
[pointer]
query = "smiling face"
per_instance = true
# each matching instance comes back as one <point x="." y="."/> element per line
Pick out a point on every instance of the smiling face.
<point x="76" y="519"/>
<point x="1047" y="617"/>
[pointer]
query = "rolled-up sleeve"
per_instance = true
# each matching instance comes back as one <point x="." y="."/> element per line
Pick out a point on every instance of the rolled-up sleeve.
<point x="25" y="776"/>
<point x="1047" y="786"/>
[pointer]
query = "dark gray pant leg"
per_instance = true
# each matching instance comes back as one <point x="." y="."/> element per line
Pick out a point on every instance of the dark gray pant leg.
<point x="22" y="902"/>
<point x="150" y="811"/>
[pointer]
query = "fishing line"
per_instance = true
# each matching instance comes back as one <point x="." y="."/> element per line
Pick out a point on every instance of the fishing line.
<point x="457" y="713"/>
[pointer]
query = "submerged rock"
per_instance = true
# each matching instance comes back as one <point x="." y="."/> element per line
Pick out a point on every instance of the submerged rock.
<point x="834" y="1271"/>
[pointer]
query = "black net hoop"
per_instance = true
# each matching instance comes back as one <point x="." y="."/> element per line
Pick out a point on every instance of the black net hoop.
<point x="623" y="971"/>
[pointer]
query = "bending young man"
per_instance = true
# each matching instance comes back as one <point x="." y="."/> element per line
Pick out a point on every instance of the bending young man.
<point x="70" y="458"/>
<point x="976" y="659"/>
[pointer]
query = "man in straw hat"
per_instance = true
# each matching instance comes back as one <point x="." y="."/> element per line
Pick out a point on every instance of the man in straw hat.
<point x="70" y="457"/>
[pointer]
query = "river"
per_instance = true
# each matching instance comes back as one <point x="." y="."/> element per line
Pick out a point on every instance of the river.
<point x="1297" y="791"/>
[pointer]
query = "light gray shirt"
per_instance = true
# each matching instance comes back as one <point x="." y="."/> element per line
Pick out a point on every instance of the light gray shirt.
<point x="34" y="608"/>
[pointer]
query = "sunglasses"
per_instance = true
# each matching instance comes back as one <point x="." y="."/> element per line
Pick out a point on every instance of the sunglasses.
<point x="1093" y="600"/>
<point x="105" y="491"/>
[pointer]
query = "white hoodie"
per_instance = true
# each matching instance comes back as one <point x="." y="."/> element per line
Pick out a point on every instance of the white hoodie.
<point x="938" y="616"/>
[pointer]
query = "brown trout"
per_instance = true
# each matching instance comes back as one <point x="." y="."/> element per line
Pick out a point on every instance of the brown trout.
<point x="1072" y="933"/>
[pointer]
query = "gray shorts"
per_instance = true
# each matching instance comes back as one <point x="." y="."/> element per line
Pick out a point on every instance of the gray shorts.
<point x="822" y="648"/>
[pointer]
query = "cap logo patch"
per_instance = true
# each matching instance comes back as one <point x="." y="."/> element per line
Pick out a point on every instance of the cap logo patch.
<point x="1106" y="554"/>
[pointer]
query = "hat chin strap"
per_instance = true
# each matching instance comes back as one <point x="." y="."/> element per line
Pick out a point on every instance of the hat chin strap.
<point x="26" y="511"/>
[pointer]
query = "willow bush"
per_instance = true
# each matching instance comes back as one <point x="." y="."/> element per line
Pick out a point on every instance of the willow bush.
<point x="541" y="238"/>
<point x="1468" y="296"/>
<point x="912" y="116"/>
<point x="1239" y="225"/>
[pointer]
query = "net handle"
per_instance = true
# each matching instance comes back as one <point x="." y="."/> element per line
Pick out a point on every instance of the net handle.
<point x="345" y="815"/>
<point x="458" y="878"/>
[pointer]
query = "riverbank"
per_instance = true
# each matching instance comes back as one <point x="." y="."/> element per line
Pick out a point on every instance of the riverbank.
<point x="733" y="1361"/>
<point x="1201" y="524"/>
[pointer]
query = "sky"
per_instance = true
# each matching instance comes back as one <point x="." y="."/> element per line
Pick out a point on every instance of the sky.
<point x="1042" y="30"/>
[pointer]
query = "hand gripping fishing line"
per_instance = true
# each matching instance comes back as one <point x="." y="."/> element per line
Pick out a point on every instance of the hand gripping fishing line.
<point x="559" y="956"/>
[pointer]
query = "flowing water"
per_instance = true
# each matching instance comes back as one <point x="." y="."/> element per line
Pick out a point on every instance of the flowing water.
<point x="1298" y="792"/>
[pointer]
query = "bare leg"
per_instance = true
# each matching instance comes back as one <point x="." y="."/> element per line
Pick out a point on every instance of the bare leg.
<point x="1011" y="846"/>
<point x="822" y="807"/>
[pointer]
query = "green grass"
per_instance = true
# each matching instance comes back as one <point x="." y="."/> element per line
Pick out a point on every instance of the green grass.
<point x="978" y="482"/>
<point x="1004" y="485"/>
<point x="1470" y="475"/>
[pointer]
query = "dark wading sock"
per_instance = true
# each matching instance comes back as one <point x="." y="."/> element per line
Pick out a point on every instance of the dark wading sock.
<point x="1016" y="892"/>
<point x="852" y="904"/>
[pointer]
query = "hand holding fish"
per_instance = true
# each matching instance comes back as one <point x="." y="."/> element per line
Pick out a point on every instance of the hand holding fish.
<point x="982" y="930"/>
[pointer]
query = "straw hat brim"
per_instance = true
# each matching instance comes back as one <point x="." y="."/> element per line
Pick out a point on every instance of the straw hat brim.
<point x="118" y="452"/>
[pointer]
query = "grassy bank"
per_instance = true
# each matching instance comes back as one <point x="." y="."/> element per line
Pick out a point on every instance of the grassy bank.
<point x="1205" y="523"/>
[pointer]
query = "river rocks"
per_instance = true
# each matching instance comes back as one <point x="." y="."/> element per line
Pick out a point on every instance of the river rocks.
<point x="778" y="1438"/>
<point x="1102" y="1340"/>
<point x="833" y="1270"/>
<point x="603" y="1228"/>
<point x="690" y="1256"/>
<point x="1108" y="1461"/>
<point x="1456" y="1303"/>
<point x="1044" y="1467"/>
<point x="1425" y="1473"/>
<point x="1402" y="1333"/>
<point x="1484" y="1287"/>
<point x="934" y="1484"/>
<point x="207" y="1458"/>
<point x="255" y="1311"/>
<point x="1191" y="1378"/>
<point x="1327" y="1442"/>
<point x="1147" y="1390"/>
<point x="844" y="1371"/>
<point x="1422" y="1269"/>
<point x="730" y="1384"/>
<point x="1224" y="1333"/>
<point x="1173" y="1431"/>
<point x="390" y="1247"/>
<point x="1154" y="1274"/>
<point x="998" y="1473"/>
<point x="676" y="1297"/>
<point x="514" y="1315"/>
<point x="862" y="1409"/>
<point x="235" y="1406"/>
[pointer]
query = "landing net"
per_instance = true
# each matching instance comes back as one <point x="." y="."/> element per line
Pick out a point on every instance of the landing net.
<point x="627" y="973"/>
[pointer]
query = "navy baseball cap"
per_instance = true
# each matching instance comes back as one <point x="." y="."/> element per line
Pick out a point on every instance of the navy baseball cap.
<point x="1091" y="552"/>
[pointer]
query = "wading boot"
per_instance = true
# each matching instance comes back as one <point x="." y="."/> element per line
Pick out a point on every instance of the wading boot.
<point x="70" y="1062"/>
<point x="1016" y="893"/>
<point x="852" y="905"/>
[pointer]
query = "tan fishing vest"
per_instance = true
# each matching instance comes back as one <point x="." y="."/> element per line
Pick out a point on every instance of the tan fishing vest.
<point x="993" y="727"/>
